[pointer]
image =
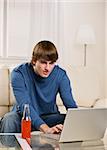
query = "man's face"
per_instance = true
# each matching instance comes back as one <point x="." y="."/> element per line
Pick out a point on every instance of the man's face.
<point x="43" y="67"/>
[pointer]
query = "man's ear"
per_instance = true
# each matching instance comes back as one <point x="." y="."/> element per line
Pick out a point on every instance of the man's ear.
<point x="33" y="63"/>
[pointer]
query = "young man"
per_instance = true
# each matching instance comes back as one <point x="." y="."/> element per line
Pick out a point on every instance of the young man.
<point x="37" y="84"/>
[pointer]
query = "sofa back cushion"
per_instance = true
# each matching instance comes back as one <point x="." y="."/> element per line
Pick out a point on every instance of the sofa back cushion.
<point x="85" y="85"/>
<point x="4" y="91"/>
<point x="12" y="97"/>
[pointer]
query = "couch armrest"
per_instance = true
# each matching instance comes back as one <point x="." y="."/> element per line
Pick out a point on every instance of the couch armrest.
<point x="101" y="102"/>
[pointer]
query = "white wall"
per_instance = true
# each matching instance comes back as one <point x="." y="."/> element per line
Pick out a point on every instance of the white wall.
<point x="25" y="22"/>
<point x="75" y="14"/>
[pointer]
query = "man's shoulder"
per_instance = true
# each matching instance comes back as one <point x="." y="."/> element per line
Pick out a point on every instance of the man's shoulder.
<point x="21" y="66"/>
<point x="60" y="72"/>
<point x="60" y="69"/>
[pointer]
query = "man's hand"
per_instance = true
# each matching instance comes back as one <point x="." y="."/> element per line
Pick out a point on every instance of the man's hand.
<point x="55" y="129"/>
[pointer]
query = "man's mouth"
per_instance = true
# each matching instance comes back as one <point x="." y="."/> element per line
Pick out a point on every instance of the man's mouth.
<point x="45" y="72"/>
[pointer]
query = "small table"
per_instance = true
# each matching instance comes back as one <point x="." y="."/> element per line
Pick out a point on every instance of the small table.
<point x="44" y="143"/>
<point x="39" y="142"/>
<point x="8" y="141"/>
<point x="13" y="141"/>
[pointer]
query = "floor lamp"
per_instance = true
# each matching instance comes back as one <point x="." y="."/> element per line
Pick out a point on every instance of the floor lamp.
<point x="85" y="36"/>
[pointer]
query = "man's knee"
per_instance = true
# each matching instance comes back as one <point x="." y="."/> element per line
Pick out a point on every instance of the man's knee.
<point x="10" y="122"/>
<point x="11" y="116"/>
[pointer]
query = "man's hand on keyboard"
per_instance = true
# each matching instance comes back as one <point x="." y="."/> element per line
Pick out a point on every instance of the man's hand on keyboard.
<point x="55" y="129"/>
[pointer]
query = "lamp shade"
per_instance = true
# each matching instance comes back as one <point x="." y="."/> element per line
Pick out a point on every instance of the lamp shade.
<point x="85" y="35"/>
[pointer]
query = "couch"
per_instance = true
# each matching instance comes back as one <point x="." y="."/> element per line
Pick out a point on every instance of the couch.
<point x="85" y="87"/>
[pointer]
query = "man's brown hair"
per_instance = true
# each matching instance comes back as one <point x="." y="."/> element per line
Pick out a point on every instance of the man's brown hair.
<point x="45" y="50"/>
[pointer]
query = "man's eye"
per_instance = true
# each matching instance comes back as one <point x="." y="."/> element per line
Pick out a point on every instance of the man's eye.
<point x="45" y="62"/>
<point x="51" y="63"/>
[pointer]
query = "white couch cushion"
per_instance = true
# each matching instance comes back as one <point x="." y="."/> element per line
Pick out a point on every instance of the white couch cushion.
<point x="101" y="103"/>
<point x="12" y="97"/>
<point x="60" y="105"/>
<point x="4" y="85"/>
<point x="85" y="85"/>
<point x="3" y="110"/>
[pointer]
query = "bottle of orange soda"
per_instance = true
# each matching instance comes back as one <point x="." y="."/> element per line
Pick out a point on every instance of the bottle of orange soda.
<point x="26" y="123"/>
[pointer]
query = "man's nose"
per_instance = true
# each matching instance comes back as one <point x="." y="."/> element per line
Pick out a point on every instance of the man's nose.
<point x="47" y="66"/>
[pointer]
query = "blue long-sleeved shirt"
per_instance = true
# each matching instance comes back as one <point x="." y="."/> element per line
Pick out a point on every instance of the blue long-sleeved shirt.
<point x="40" y="93"/>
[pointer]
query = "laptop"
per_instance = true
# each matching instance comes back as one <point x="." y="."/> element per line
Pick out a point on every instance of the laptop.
<point x="83" y="125"/>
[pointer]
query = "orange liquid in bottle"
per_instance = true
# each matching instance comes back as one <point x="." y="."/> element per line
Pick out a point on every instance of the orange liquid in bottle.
<point x="26" y="128"/>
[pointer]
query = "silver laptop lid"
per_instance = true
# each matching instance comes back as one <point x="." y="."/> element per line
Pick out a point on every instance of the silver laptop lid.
<point x="84" y="124"/>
